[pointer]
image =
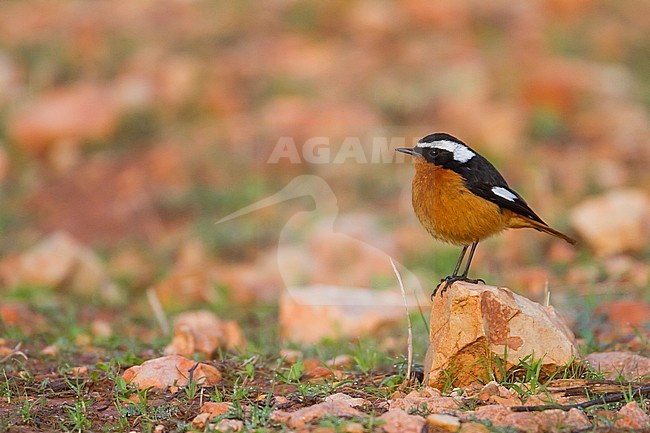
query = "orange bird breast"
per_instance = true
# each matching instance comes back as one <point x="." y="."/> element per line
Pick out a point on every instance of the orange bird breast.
<point x="449" y="211"/>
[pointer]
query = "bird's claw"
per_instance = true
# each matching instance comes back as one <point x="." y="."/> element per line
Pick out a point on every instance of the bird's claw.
<point x="446" y="282"/>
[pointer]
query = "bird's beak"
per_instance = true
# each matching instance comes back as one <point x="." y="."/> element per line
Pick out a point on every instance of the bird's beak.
<point x="406" y="150"/>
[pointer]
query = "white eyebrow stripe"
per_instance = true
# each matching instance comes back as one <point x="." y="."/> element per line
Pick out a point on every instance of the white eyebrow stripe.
<point x="504" y="193"/>
<point x="461" y="153"/>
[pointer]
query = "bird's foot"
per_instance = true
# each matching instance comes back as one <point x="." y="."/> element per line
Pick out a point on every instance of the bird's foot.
<point x="446" y="283"/>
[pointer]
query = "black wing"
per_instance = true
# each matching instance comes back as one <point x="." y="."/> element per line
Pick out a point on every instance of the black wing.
<point x="517" y="204"/>
<point x="481" y="178"/>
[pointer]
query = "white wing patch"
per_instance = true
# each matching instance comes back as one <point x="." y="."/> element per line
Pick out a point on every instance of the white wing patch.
<point x="461" y="153"/>
<point x="504" y="193"/>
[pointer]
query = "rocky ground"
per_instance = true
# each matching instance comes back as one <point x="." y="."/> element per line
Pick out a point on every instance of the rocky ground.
<point x="129" y="129"/>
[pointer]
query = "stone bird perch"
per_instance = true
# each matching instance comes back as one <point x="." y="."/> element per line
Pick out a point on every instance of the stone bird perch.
<point x="473" y="324"/>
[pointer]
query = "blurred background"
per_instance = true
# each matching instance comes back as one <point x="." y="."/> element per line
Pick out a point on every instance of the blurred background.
<point x="128" y="129"/>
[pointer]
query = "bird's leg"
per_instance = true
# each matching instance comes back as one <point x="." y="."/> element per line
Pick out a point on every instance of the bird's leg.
<point x="463" y="276"/>
<point x="459" y="262"/>
<point x="448" y="281"/>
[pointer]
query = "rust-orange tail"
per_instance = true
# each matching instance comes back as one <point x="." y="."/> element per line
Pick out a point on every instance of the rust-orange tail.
<point x="522" y="222"/>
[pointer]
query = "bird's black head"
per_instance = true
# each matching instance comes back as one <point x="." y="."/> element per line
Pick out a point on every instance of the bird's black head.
<point x="442" y="149"/>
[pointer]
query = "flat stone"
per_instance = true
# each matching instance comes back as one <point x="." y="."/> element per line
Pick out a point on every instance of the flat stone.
<point x="309" y="414"/>
<point x="202" y="331"/>
<point x="312" y="313"/>
<point x="174" y="370"/>
<point x="399" y="421"/>
<point x="631" y="416"/>
<point x="614" y="222"/>
<point x="440" y="423"/>
<point x="615" y="364"/>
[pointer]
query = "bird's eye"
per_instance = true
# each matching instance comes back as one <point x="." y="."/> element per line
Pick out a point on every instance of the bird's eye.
<point x="433" y="152"/>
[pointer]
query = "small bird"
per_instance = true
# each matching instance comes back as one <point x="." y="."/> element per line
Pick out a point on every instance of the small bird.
<point x="461" y="199"/>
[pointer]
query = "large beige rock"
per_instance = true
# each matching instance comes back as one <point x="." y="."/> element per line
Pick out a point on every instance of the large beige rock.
<point x="614" y="222"/>
<point x="309" y="314"/>
<point x="474" y="328"/>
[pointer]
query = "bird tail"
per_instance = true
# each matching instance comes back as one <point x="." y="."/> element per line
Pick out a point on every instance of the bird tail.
<point x="522" y="222"/>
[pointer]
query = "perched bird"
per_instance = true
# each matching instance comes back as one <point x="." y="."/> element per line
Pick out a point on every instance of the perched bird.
<point x="461" y="198"/>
